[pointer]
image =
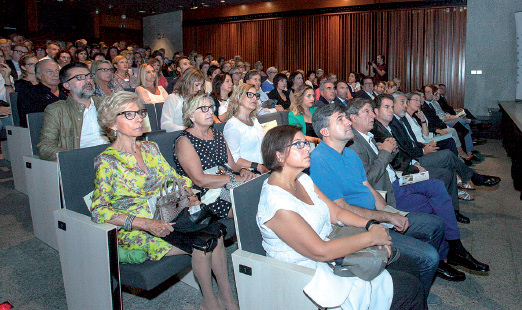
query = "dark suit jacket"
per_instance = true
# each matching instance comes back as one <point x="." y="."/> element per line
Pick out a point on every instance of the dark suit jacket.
<point x="363" y="94"/>
<point x="434" y="122"/>
<point x="11" y="65"/>
<point x="375" y="165"/>
<point x="343" y="103"/>
<point x="321" y="102"/>
<point x="402" y="160"/>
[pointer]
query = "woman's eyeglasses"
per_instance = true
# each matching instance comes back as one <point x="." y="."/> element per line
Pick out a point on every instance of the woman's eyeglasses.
<point x="104" y="69"/>
<point x="251" y="95"/>
<point x="205" y="108"/>
<point x="130" y="115"/>
<point x="300" y="144"/>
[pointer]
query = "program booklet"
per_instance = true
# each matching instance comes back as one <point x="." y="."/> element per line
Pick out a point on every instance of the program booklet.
<point x="414" y="178"/>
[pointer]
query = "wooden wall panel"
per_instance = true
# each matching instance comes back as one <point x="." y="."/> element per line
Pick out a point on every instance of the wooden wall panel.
<point x="421" y="46"/>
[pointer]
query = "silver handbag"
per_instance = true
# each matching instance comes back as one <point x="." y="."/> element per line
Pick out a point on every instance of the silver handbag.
<point x="173" y="199"/>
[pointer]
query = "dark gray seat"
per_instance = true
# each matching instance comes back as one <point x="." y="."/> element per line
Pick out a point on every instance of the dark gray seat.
<point x="153" y="118"/>
<point x="131" y="89"/>
<point x="220" y="126"/>
<point x="35" y="122"/>
<point x="81" y="162"/>
<point x="165" y="142"/>
<point x="13" y="99"/>
<point x="159" y="109"/>
<point x="246" y="200"/>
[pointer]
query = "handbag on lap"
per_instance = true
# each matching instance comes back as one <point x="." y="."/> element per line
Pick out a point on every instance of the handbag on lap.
<point x="366" y="264"/>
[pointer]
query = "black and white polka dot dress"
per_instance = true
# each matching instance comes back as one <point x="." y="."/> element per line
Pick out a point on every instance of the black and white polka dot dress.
<point x="212" y="153"/>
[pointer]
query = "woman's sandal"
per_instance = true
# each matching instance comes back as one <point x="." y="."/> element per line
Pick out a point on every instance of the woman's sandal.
<point x="466" y="186"/>
<point x="463" y="195"/>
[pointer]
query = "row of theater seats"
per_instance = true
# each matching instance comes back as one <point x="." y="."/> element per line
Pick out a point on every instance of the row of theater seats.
<point x="88" y="251"/>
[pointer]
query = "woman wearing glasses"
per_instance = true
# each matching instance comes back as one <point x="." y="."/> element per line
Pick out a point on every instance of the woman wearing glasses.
<point x="200" y="149"/>
<point x="127" y="172"/>
<point x="295" y="219"/>
<point x="28" y="78"/>
<point x="190" y="83"/>
<point x="243" y="132"/>
<point x="149" y="91"/>
<point x="103" y="79"/>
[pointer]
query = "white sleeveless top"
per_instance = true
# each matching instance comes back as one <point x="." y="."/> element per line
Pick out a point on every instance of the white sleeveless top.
<point x="274" y="198"/>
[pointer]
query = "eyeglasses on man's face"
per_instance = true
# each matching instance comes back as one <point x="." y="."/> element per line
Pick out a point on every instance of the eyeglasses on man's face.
<point x="252" y="95"/>
<point x="130" y="115"/>
<point x="206" y="108"/>
<point x="81" y="77"/>
<point x="300" y="144"/>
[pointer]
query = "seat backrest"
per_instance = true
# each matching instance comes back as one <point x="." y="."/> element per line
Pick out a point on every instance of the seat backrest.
<point x="131" y="89"/>
<point x="220" y="126"/>
<point x="165" y="142"/>
<point x="77" y="176"/>
<point x="245" y="199"/>
<point x="284" y="117"/>
<point x="13" y="99"/>
<point x="159" y="109"/>
<point x="153" y="119"/>
<point x="270" y="117"/>
<point x="35" y="122"/>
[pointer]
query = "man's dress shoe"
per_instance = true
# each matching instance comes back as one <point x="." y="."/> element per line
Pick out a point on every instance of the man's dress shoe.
<point x="446" y="272"/>
<point x="464" y="259"/>
<point x="461" y="218"/>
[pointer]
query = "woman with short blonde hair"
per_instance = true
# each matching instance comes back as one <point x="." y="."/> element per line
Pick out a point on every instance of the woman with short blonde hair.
<point x="103" y="79"/>
<point x="121" y="73"/>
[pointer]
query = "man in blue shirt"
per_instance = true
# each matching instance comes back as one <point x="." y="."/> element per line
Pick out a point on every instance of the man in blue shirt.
<point x="339" y="174"/>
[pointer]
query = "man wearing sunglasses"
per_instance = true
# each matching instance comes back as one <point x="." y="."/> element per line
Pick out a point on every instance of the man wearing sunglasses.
<point x="72" y="123"/>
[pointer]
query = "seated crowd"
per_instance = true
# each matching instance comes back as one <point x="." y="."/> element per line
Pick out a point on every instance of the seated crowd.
<point x="366" y="134"/>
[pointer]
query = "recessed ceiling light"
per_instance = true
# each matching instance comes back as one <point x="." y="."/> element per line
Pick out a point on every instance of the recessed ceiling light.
<point x="141" y="11"/>
<point x="222" y="0"/>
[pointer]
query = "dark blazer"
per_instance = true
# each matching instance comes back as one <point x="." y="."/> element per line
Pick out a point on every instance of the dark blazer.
<point x="375" y="165"/>
<point x="363" y="94"/>
<point x="274" y="95"/>
<point x="402" y="160"/>
<point x="434" y="122"/>
<point x="35" y="99"/>
<point x="343" y="103"/>
<point x="11" y="65"/>
<point x="321" y="102"/>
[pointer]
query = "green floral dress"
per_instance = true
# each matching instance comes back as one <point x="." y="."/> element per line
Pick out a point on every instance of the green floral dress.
<point x="122" y="187"/>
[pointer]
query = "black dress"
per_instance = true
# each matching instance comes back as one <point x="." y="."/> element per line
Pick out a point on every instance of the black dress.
<point x="212" y="153"/>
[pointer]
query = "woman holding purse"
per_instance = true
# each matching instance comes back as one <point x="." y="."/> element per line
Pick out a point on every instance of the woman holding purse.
<point x="130" y="171"/>
<point x="200" y="150"/>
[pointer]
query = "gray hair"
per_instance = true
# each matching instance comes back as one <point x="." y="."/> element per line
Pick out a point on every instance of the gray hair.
<point x="40" y="63"/>
<point x="321" y="86"/>
<point x="357" y="104"/>
<point x="111" y="106"/>
<point x="321" y="117"/>
<point x="397" y="94"/>
<point x="272" y="70"/>
<point x="190" y="106"/>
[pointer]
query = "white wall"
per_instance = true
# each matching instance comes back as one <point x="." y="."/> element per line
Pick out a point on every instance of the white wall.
<point x="490" y="47"/>
<point x="164" y="31"/>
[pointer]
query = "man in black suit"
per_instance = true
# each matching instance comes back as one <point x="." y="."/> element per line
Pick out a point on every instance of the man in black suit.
<point x="442" y="164"/>
<point x="327" y="90"/>
<point x="341" y="90"/>
<point x="366" y="91"/>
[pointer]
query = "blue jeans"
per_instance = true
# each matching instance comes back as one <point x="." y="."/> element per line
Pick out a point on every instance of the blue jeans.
<point x="420" y="242"/>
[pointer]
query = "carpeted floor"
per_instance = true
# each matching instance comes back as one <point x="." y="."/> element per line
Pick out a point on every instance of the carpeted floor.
<point x="31" y="276"/>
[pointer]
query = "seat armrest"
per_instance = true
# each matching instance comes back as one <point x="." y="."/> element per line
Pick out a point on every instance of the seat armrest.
<point x="89" y="260"/>
<point x="254" y="273"/>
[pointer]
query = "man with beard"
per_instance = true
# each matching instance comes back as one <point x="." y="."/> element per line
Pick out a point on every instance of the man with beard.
<point x="72" y="123"/>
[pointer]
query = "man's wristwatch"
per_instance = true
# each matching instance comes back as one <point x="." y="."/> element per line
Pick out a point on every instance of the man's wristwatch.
<point x="370" y="223"/>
